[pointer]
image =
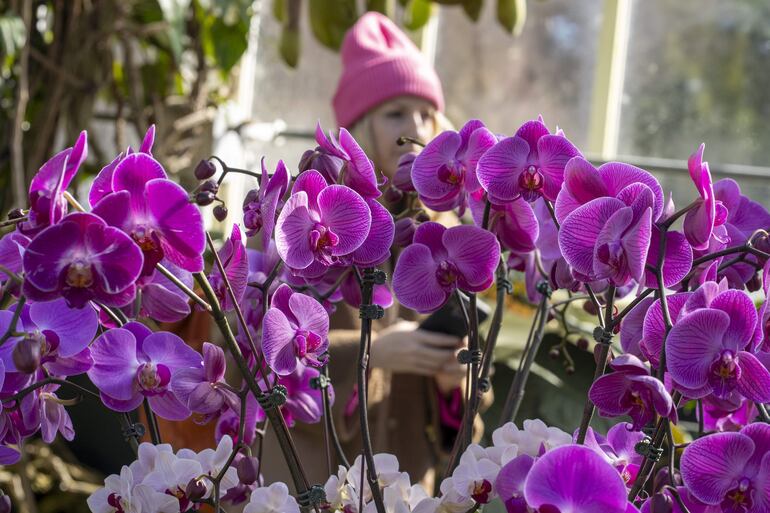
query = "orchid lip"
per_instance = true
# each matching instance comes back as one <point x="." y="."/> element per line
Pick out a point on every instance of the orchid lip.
<point x="724" y="374"/>
<point x="153" y="378"/>
<point x="447" y="274"/>
<point x="531" y="182"/>
<point x="144" y="238"/>
<point x="79" y="274"/>
<point x="452" y="173"/>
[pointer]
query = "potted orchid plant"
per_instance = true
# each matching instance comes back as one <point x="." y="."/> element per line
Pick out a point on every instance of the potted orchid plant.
<point x="85" y="287"/>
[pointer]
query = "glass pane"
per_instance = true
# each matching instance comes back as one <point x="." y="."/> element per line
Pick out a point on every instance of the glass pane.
<point x="698" y="71"/>
<point x="504" y="81"/>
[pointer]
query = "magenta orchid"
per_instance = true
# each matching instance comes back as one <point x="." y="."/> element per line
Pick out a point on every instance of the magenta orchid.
<point x="47" y="205"/>
<point x="441" y="260"/>
<point x="618" y="449"/>
<point x="294" y="329"/>
<point x="444" y="173"/>
<point x="155" y="212"/>
<point x="236" y="265"/>
<point x="700" y="221"/>
<point x="204" y="390"/>
<point x="81" y="258"/>
<point x="261" y="205"/>
<point x="730" y="469"/>
<point x="321" y="223"/>
<point x="132" y="363"/>
<point x="357" y="171"/>
<point x="630" y="390"/>
<point x="530" y="164"/>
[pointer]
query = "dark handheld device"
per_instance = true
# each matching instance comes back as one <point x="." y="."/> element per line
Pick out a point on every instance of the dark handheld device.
<point x="449" y="319"/>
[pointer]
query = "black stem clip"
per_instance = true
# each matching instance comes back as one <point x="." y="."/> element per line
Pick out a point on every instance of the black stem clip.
<point x="504" y="283"/>
<point x="320" y="382"/>
<point x="649" y="451"/>
<point x="135" y="431"/>
<point x="466" y="356"/>
<point x="544" y="288"/>
<point x="603" y="336"/>
<point x="313" y="496"/>
<point x="275" y="398"/>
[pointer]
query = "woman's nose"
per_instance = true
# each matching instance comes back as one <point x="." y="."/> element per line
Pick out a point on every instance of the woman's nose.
<point x="418" y="126"/>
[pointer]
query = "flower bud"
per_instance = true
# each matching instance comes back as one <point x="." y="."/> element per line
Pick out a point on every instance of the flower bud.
<point x="393" y="195"/>
<point x="402" y="180"/>
<point x="247" y="470"/>
<point x="196" y="490"/>
<point x="405" y="228"/>
<point x="590" y="308"/>
<point x="582" y="343"/>
<point x="319" y="159"/>
<point x="422" y="217"/>
<point x="661" y="503"/>
<point x="570" y="370"/>
<point x="205" y="169"/>
<point x="204" y="198"/>
<point x="553" y="353"/>
<point x="220" y="213"/>
<point x="26" y="355"/>
<point x="754" y="283"/>
<point x="209" y="185"/>
<point x="5" y="504"/>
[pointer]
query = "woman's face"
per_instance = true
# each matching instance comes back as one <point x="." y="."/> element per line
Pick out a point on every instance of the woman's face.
<point x="407" y="116"/>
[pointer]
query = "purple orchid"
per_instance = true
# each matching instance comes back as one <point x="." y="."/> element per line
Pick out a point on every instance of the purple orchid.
<point x="665" y="501"/>
<point x="631" y="329"/>
<point x="44" y="409"/>
<point x="529" y="164"/>
<point x="204" y="390"/>
<point x="376" y="246"/>
<point x="326" y="163"/>
<point x="59" y="334"/>
<point x="155" y="212"/>
<point x="510" y="483"/>
<point x="162" y="300"/>
<point x="630" y="390"/>
<point x="304" y="403"/>
<point x="730" y="469"/>
<point x="575" y="479"/>
<point x="294" y="329"/>
<point x="47" y="205"/>
<point x="81" y="258"/>
<point x="102" y="184"/>
<point x="441" y="260"/>
<point x="608" y="238"/>
<point x="618" y="449"/>
<point x="402" y="180"/>
<point x="514" y="223"/>
<point x="358" y="171"/>
<point x="730" y="414"/>
<point x="131" y="363"/>
<point x="444" y="173"/>
<point x="321" y="223"/>
<point x="705" y="348"/>
<point x="260" y="205"/>
<point x="584" y="183"/>
<point x="654" y="328"/>
<point x="232" y="254"/>
<point x="744" y="216"/>
<point x="700" y="221"/>
<point x="12" y="246"/>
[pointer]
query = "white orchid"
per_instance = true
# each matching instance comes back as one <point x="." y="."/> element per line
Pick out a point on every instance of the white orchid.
<point x="272" y="499"/>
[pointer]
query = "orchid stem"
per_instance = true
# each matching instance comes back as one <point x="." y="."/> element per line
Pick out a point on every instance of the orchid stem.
<point x="184" y="288"/>
<point x="152" y="422"/>
<point x="601" y="365"/>
<point x="10" y="222"/>
<point x="14" y="320"/>
<point x="367" y="286"/>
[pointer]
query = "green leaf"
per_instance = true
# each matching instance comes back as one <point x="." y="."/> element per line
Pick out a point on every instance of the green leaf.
<point x="379" y="6"/>
<point x="511" y="14"/>
<point x="417" y="14"/>
<point x="331" y="19"/>
<point x="174" y="12"/>
<point x="473" y="8"/>
<point x="289" y="46"/>
<point x="12" y="36"/>
<point x="229" y="42"/>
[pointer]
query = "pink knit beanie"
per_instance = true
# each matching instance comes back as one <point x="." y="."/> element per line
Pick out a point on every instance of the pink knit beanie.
<point x="379" y="62"/>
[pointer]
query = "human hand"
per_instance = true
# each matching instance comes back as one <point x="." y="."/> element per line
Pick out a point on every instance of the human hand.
<point x="402" y="347"/>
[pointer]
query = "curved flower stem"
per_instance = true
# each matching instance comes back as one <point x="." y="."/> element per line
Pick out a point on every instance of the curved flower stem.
<point x="601" y="365"/>
<point x="367" y="287"/>
<point x="152" y="422"/>
<point x="10" y="222"/>
<point x="329" y="419"/>
<point x="675" y="493"/>
<point x="638" y="299"/>
<point x="14" y="320"/>
<point x="273" y="414"/>
<point x="238" y="312"/>
<point x="184" y="288"/>
<point x="516" y="392"/>
<point x="494" y="328"/>
<point x="763" y="412"/>
<point x="406" y="140"/>
<point x="227" y="169"/>
<point x="662" y="295"/>
<point x="658" y="435"/>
